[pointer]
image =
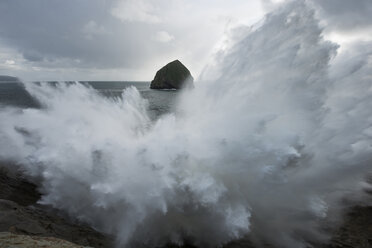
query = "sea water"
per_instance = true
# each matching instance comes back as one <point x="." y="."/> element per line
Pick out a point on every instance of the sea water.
<point x="160" y="101"/>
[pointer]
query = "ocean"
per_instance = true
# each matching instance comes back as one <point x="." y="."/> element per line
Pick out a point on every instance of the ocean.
<point x="159" y="101"/>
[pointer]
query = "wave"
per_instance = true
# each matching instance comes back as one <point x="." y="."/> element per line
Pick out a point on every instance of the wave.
<point x="271" y="142"/>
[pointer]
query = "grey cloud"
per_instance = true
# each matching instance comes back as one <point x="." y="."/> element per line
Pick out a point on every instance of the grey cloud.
<point x="32" y="56"/>
<point x="73" y="31"/>
<point x="347" y="15"/>
<point x="340" y="15"/>
<point x="126" y="35"/>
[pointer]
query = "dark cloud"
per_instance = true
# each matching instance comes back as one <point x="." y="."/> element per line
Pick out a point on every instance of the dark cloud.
<point x="132" y="34"/>
<point x="84" y="37"/>
<point x="77" y="32"/>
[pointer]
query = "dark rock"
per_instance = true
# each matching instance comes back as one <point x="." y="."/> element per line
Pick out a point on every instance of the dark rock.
<point x="21" y="215"/>
<point x="39" y="221"/>
<point x="18" y="218"/>
<point x="174" y="75"/>
<point x="356" y="231"/>
<point x="15" y="188"/>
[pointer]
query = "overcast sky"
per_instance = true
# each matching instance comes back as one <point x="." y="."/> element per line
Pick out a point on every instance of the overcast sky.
<point x="131" y="39"/>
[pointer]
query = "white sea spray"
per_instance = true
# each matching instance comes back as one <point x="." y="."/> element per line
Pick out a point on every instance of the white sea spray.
<point x="274" y="136"/>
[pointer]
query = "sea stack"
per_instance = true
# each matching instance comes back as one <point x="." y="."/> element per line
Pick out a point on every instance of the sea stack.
<point x="173" y="75"/>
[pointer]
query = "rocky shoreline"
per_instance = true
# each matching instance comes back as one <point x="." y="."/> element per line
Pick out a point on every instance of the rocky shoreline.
<point x="28" y="224"/>
<point x="21" y="215"/>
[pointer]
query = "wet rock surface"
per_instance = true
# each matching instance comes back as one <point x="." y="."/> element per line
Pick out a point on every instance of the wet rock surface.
<point x="356" y="230"/>
<point x="23" y="220"/>
<point x="21" y="215"/>
<point x="15" y="188"/>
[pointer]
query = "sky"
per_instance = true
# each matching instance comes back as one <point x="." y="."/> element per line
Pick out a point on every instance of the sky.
<point x="132" y="39"/>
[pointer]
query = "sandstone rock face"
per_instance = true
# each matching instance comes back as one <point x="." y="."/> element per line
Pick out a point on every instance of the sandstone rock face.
<point x="174" y="75"/>
<point x="24" y="241"/>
